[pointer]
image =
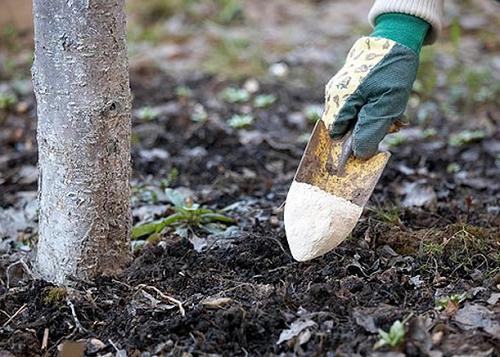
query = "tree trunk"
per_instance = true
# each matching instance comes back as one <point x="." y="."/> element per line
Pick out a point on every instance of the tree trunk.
<point x="81" y="83"/>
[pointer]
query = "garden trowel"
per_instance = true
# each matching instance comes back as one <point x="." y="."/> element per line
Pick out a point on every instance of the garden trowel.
<point x="328" y="193"/>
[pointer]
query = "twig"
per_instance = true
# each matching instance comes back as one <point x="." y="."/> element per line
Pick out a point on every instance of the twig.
<point x="245" y="351"/>
<point x="20" y="310"/>
<point x="281" y="246"/>
<point x="6" y="314"/>
<point x="407" y="318"/>
<point x="166" y="297"/>
<point x="119" y="352"/>
<point x="25" y="266"/>
<point x="75" y="318"/>
<point x="122" y="283"/>
<point x="45" y="339"/>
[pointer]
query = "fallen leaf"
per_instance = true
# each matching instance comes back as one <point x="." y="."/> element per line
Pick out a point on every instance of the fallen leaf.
<point x="304" y="337"/>
<point x="365" y="321"/>
<point x="94" y="345"/>
<point x="493" y="299"/>
<point x="473" y="316"/>
<point x="418" y="195"/>
<point x="199" y="244"/>
<point x="419" y="337"/>
<point x="295" y="329"/>
<point x="371" y="318"/>
<point x="216" y="302"/>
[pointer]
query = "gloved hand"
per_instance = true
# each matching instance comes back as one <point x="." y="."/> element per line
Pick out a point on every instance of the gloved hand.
<point x="371" y="90"/>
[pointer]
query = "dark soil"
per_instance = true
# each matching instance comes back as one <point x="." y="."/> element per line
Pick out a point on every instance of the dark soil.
<point x="240" y="295"/>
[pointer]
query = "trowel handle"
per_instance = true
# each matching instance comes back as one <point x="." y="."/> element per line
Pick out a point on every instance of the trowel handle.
<point x="346" y="152"/>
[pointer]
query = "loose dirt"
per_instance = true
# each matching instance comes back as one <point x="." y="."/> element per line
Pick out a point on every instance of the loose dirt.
<point x="397" y="264"/>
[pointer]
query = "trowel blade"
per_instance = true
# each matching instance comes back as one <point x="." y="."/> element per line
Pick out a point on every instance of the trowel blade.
<point x="317" y="167"/>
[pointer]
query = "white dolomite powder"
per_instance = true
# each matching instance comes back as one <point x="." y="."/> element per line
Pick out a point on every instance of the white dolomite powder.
<point x="317" y="221"/>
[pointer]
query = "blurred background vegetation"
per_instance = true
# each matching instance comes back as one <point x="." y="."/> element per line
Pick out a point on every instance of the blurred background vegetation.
<point x="301" y="42"/>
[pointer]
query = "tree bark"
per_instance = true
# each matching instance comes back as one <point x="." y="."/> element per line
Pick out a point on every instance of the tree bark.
<point x="81" y="83"/>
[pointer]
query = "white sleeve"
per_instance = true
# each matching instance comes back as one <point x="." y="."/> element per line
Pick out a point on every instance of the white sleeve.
<point x="429" y="10"/>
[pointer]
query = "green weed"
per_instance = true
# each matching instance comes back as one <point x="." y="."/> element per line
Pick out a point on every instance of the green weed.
<point x="453" y="168"/>
<point x="238" y="121"/>
<point x="199" y="114"/>
<point x="264" y="100"/>
<point x="186" y="215"/>
<point x="147" y="113"/>
<point x="433" y="249"/>
<point x="183" y="91"/>
<point x="395" y="140"/>
<point x="466" y="137"/>
<point x="170" y="179"/>
<point x="304" y="138"/>
<point x="387" y="215"/>
<point x="313" y="113"/>
<point x="429" y="133"/>
<point x="451" y="302"/>
<point x="393" y="338"/>
<point x="7" y="101"/>
<point x="235" y="95"/>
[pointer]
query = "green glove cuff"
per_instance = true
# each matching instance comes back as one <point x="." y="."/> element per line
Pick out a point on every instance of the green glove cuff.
<point x="406" y="30"/>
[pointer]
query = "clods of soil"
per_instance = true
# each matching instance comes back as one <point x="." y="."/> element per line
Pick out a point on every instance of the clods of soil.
<point x="425" y="251"/>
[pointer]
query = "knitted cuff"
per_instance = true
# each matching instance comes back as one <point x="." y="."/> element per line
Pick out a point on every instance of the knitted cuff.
<point x="406" y="30"/>
<point x="428" y="10"/>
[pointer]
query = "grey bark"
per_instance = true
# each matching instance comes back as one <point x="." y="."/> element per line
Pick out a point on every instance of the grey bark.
<point x="81" y="82"/>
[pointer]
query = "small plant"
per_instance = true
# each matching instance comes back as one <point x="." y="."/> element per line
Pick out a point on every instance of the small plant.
<point x="313" y="113"/>
<point x="235" y="95"/>
<point x="170" y="179"/>
<point x="466" y="137"/>
<point x="396" y="139"/>
<point x="199" y="114"/>
<point x="240" y="121"/>
<point x="429" y="133"/>
<point x="183" y="91"/>
<point x="7" y="100"/>
<point x="433" y="249"/>
<point x="304" y="137"/>
<point x="144" y="193"/>
<point x="264" y="100"/>
<point x="387" y="215"/>
<point x="186" y="215"/>
<point x="55" y="296"/>
<point x="450" y="303"/>
<point x="147" y="113"/>
<point x="393" y="338"/>
<point x="452" y="168"/>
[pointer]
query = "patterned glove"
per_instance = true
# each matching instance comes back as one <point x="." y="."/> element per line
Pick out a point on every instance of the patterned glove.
<point x="371" y="90"/>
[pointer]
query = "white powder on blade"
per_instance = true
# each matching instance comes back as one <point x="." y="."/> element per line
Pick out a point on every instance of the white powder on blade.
<point x="317" y="221"/>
